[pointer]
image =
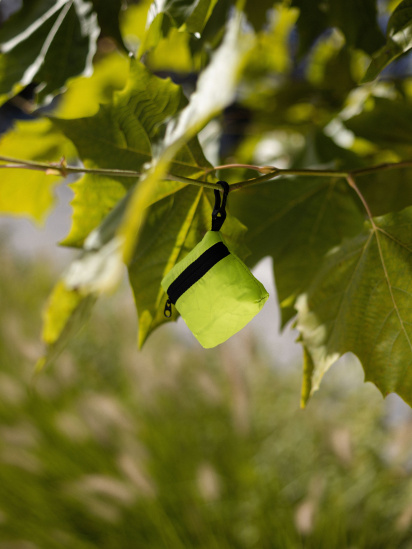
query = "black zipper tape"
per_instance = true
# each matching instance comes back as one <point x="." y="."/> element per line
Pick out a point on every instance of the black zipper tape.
<point x="194" y="272"/>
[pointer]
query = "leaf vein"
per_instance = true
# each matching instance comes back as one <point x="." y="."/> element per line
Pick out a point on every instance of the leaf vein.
<point x="400" y="320"/>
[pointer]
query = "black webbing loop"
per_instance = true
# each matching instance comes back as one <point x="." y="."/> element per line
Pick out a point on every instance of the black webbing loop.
<point x="219" y="211"/>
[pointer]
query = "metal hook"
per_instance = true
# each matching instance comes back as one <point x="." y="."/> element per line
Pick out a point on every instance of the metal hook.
<point x="219" y="211"/>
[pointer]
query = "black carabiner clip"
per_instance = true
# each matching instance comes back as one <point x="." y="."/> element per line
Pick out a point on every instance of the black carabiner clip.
<point x="219" y="211"/>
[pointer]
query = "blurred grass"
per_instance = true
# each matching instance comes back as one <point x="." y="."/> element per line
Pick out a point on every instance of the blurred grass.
<point x="177" y="448"/>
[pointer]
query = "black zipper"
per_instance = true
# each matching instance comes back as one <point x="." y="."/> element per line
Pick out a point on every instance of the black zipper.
<point x="193" y="273"/>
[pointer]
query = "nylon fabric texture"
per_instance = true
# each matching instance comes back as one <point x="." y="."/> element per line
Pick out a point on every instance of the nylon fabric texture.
<point x="223" y="300"/>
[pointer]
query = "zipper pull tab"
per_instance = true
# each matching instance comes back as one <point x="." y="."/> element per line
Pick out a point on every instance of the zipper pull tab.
<point x="168" y="309"/>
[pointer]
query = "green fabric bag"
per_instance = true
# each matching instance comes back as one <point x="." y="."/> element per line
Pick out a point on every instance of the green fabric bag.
<point x="212" y="289"/>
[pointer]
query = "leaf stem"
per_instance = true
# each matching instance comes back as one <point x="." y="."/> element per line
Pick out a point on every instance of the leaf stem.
<point x="350" y="179"/>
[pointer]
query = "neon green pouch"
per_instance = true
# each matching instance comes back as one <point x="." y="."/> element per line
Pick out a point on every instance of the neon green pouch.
<point x="213" y="290"/>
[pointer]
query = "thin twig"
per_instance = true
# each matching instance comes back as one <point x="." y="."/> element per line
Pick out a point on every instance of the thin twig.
<point x="381" y="167"/>
<point x="277" y="172"/>
<point x="237" y="166"/>
<point x="65" y="170"/>
<point x="269" y="172"/>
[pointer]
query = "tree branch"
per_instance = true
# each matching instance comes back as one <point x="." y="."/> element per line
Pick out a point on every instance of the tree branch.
<point x="269" y="172"/>
<point x="55" y="168"/>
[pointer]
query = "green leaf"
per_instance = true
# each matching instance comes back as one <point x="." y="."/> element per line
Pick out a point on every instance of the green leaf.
<point x="361" y="302"/>
<point x="108" y="12"/>
<point x="387" y="192"/>
<point x="398" y="40"/>
<point x="172" y="54"/>
<point x="29" y="192"/>
<point x="97" y="270"/>
<point x="257" y="12"/>
<point x="385" y="123"/>
<point x="99" y="267"/>
<point x="65" y="313"/>
<point x="94" y="198"/>
<point x="356" y="19"/>
<point x="214" y="29"/>
<point x="311" y="23"/>
<point x="272" y="49"/>
<point x="308" y="369"/>
<point x="47" y="42"/>
<point x="296" y="221"/>
<point x="191" y="15"/>
<point x="84" y="95"/>
<point x="173" y="226"/>
<point x="133" y="22"/>
<point x="216" y="86"/>
<point x="123" y="134"/>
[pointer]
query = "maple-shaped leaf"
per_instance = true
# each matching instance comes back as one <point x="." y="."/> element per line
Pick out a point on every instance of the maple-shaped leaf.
<point x="127" y="134"/>
<point x="123" y="134"/>
<point x="361" y="302"/>
<point x="296" y="221"/>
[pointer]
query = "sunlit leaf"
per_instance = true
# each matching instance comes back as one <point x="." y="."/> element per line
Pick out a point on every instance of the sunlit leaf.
<point x="29" y="192"/>
<point x="47" y="42"/>
<point x="308" y="368"/>
<point x="97" y="270"/>
<point x="84" y="95"/>
<point x="65" y="313"/>
<point x="216" y="86"/>
<point x="272" y="48"/>
<point x="123" y="133"/>
<point x="172" y="54"/>
<point x="386" y="124"/>
<point x="164" y="15"/>
<point x="133" y="23"/>
<point x="361" y="302"/>
<point x="398" y="40"/>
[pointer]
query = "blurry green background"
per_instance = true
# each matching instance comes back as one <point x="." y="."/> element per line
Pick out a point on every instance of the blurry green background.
<point x="178" y="447"/>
